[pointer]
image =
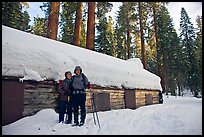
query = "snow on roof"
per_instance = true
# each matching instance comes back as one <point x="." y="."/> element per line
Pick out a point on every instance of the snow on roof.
<point x="38" y="58"/>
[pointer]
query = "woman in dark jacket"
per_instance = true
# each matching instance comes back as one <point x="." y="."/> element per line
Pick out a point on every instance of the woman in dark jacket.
<point x="65" y="98"/>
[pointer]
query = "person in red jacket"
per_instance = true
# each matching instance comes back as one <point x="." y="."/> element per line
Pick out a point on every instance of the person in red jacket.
<point x="65" y="102"/>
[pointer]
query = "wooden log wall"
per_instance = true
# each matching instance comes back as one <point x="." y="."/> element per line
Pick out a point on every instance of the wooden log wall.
<point x="140" y="95"/>
<point x="88" y="102"/>
<point x="39" y="95"/>
<point x="43" y="95"/>
<point x="116" y="99"/>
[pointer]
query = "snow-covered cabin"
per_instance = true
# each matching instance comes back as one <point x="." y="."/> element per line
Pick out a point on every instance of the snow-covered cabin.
<point x="32" y="65"/>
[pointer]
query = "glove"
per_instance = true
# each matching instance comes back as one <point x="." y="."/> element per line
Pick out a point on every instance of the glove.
<point x="90" y="85"/>
<point x="60" y="82"/>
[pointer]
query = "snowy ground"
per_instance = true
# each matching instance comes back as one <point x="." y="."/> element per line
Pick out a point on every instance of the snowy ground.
<point x="177" y="116"/>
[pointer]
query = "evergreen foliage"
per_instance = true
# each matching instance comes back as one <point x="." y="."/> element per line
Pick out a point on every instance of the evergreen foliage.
<point x="142" y="29"/>
<point x="187" y="43"/>
<point x="13" y="16"/>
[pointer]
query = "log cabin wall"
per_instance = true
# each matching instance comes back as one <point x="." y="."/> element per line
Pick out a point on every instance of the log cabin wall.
<point x="144" y="97"/>
<point x="117" y="99"/>
<point x="106" y="99"/>
<point x="123" y="98"/>
<point x="43" y="95"/>
<point x="39" y="95"/>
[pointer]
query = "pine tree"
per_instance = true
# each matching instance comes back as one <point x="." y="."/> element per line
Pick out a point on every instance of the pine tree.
<point x="11" y="12"/>
<point x="167" y="50"/>
<point x="126" y="21"/>
<point x="39" y="26"/>
<point x="83" y="33"/>
<point x="46" y="8"/>
<point x="111" y="36"/>
<point x="120" y="38"/>
<point x="187" y="36"/>
<point x="198" y="54"/>
<point x="102" y="41"/>
<point x="152" y="36"/>
<point x="13" y="16"/>
<point x="67" y="21"/>
<point x="103" y="8"/>
<point x="25" y="21"/>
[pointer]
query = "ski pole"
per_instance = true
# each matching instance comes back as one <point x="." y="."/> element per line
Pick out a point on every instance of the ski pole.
<point x="66" y="118"/>
<point x="94" y="107"/>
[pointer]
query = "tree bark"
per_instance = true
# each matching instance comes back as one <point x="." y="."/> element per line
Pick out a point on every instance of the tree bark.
<point x="143" y="51"/>
<point x="78" y="24"/>
<point x="90" y="26"/>
<point x="159" y="68"/>
<point x="53" y="20"/>
<point x="128" y="43"/>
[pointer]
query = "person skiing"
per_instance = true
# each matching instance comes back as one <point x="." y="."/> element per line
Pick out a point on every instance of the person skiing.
<point x="65" y="102"/>
<point x="80" y="83"/>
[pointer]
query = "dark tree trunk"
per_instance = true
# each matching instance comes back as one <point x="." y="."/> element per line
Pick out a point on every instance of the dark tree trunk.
<point x="90" y="26"/>
<point x="53" y="20"/>
<point x="128" y="43"/>
<point x="157" y="45"/>
<point x="143" y="51"/>
<point x="156" y="38"/>
<point x="78" y="23"/>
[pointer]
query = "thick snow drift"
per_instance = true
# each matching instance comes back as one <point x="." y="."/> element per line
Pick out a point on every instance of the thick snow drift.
<point x="38" y="58"/>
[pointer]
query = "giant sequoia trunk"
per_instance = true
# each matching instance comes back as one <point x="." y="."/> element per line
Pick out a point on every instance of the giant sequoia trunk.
<point x="53" y="20"/>
<point x="144" y="60"/>
<point x="90" y="26"/>
<point x="78" y="23"/>
<point x="157" y="48"/>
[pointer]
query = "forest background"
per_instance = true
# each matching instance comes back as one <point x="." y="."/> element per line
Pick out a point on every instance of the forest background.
<point x="142" y="30"/>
